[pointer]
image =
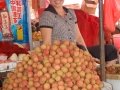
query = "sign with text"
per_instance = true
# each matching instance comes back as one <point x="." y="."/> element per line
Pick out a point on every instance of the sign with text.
<point x="18" y="16"/>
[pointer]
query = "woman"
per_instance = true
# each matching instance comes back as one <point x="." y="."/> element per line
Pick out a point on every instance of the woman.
<point x="59" y="23"/>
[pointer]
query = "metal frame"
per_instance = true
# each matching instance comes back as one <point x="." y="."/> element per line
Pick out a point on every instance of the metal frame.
<point x="29" y="25"/>
<point x="102" y="48"/>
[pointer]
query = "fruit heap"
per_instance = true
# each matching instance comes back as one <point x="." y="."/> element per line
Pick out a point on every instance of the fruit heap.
<point x="114" y="69"/>
<point x="61" y="66"/>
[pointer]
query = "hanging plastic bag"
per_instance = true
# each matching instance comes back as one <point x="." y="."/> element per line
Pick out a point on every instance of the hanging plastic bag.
<point x="111" y="14"/>
<point x="117" y="12"/>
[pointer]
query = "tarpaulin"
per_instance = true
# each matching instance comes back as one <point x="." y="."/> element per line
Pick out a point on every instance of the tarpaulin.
<point x="89" y="27"/>
<point x="111" y="14"/>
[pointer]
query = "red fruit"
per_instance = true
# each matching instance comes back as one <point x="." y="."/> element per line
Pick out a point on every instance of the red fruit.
<point x="36" y="79"/>
<point x="29" y="69"/>
<point x="36" y="84"/>
<point x="46" y="52"/>
<point x="30" y="74"/>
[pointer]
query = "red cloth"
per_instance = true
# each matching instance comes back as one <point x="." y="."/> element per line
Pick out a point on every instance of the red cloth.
<point x="111" y="14"/>
<point x="89" y="27"/>
<point x="9" y="48"/>
<point x="2" y="4"/>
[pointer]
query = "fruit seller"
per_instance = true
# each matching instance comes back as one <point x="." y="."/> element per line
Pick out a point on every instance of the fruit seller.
<point x="59" y="23"/>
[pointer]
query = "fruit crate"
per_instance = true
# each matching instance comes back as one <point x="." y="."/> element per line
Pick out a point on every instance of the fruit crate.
<point x="114" y="78"/>
<point x="4" y="69"/>
<point x="3" y="75"/>
<point x="113" y="72"/>
<point x="7" y="66"/>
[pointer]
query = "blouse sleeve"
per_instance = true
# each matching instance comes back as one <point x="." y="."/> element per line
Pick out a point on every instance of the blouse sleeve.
<point x="46" y="20"/>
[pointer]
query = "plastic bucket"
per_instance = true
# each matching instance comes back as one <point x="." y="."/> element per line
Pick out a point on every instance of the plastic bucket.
<point x="116" y="40"/>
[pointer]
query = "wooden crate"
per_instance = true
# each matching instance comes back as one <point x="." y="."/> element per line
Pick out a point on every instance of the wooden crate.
<point x="114" y="79"/>
<point x="113" y="76"/>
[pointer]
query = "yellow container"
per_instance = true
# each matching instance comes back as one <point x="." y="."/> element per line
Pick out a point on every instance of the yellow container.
<point x="19" y="32"/>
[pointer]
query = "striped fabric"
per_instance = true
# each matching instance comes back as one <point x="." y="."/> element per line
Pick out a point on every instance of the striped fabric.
<point x="63" y="28"/>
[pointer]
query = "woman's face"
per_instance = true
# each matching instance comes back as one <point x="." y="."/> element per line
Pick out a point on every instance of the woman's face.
<point x="56" y="3"/>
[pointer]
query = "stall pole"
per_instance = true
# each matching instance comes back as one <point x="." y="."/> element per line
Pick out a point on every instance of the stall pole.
<point x="102" y="48"/>
<point x="29" y="25"/>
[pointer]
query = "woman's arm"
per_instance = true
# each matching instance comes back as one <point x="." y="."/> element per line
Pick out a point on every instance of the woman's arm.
<point x="46" y="35"/>
<point x="80" y="40"/>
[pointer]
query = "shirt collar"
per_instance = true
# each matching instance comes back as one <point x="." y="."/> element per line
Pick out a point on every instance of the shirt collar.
<point x="52" y="9"/>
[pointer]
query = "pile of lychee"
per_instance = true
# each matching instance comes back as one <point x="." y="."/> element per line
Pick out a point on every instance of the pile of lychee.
<point x="60" y="66"/>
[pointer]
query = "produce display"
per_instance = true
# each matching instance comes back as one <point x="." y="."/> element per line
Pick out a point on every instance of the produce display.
<point x="36" y="36"/>
<point x="114" y="69"/>
<point x="61" y="66"/>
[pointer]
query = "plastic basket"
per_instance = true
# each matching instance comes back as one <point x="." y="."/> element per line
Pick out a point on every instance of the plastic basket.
<point x="116" y="40"/>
